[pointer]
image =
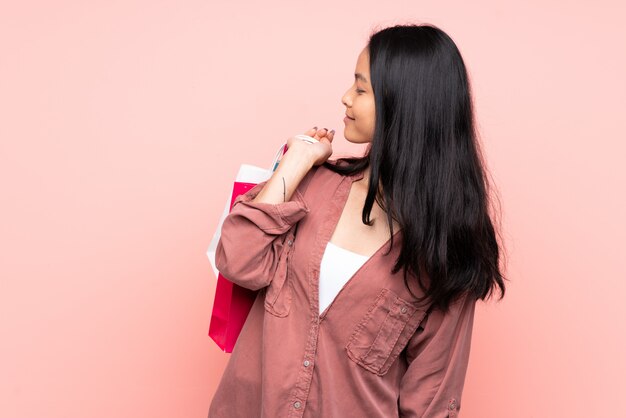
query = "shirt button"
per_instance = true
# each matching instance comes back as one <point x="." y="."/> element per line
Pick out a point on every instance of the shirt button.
<point x="297" y="404"/>
<point x="452" y="404"/>
<point x="403" y="309"/>
<point x="306" y="363"/>
<point x="289" y="242"/>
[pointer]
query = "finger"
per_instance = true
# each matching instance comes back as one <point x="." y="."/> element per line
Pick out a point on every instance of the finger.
<point x="329" y="135"/>
<point x="311" y="131"/>
<point x="320" y="133"/>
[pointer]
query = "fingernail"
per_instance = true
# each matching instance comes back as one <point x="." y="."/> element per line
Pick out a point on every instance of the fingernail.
<point x="315" y="127"/>
<point x="332" y="132"/>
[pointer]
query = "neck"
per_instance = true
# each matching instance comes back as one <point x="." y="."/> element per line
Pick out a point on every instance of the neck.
<point x="365" y="181"/>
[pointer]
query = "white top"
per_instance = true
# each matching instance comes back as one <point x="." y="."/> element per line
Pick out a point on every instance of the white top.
<point x="338" y="266"/>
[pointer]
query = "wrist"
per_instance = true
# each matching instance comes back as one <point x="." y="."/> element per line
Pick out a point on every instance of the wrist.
<point x="298" y="155"/>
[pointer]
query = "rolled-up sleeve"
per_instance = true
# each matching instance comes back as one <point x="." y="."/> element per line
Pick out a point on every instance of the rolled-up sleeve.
<point x="438" y="355"/>
<point x="252" y="237"/>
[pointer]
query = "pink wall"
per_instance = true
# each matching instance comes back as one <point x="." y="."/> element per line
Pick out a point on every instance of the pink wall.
<point x="121" y="124"/>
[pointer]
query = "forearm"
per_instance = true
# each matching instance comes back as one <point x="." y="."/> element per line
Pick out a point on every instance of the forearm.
<point x="293" y="167"/>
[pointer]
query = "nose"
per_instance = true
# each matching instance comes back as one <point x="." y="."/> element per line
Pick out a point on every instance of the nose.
<point x="344" y="101"/>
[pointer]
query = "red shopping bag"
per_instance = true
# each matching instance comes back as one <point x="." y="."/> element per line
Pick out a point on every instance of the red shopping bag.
<point x="232" y="302"/>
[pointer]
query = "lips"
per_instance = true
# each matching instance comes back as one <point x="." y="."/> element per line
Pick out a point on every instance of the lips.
<point x="349" y="117"/>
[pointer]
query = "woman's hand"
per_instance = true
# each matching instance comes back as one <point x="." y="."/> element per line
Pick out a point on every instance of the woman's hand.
<point x="317" y="152"/>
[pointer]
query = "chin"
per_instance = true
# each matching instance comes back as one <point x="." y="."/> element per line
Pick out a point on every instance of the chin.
<point x="355" y="139"/>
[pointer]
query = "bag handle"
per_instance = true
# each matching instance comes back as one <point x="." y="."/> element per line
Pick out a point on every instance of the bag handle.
<point x="283" y="149"/>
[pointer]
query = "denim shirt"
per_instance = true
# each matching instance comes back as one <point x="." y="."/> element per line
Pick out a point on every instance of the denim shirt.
<point x="373" y="352"/>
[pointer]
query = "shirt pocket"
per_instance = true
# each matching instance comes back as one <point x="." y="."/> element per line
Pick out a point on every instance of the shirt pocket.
<point x="383" y="332"/>
<point x="279" y="293"/>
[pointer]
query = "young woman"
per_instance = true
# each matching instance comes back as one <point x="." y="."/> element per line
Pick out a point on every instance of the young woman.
<point x="369" y="268"/>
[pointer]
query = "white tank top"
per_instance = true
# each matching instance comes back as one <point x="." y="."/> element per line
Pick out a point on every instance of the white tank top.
<point x="337" y="267"/>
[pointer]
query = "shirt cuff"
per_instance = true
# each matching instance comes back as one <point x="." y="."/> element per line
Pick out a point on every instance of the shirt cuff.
<point x="272" y="218"/>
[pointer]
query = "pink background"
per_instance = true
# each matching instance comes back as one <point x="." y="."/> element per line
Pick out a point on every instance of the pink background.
<point x="123" y="123"/>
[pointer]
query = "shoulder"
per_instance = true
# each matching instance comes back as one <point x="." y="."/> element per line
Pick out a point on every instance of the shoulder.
<point x="324" y="171"/>
<point x="323" y="174"/>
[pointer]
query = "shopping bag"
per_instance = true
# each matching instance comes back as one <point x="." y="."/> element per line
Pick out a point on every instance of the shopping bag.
<point x="232" y="302"/>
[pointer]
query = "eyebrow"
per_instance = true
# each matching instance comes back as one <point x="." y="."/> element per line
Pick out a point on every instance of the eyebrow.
<point x="360" y="77"/>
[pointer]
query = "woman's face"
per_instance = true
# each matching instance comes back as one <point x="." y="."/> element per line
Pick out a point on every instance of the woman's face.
<point x="359" y="103"/>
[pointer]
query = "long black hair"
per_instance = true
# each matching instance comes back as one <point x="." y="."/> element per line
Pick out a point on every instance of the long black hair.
<point x="426" y="158"/>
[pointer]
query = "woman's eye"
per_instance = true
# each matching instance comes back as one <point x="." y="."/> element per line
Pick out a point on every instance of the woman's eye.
<point x="360" y="91"/>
